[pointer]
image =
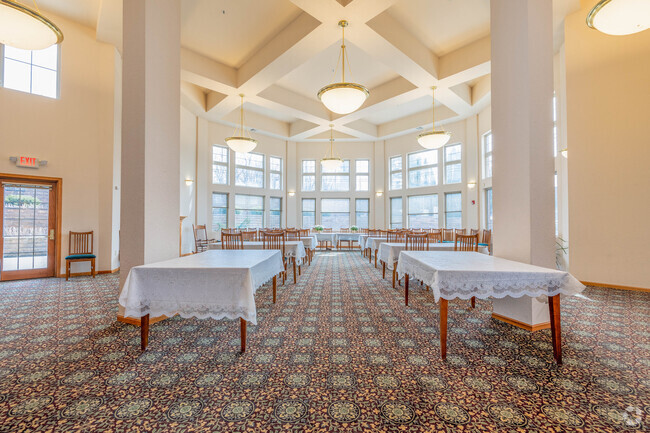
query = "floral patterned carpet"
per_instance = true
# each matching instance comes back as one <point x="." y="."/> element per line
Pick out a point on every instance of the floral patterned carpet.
<point x="338" y="352"/>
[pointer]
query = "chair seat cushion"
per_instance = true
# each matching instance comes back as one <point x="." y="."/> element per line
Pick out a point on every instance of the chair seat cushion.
<point x="80" y="256"/>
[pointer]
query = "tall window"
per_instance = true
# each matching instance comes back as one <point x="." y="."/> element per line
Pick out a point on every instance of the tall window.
<point x="249" y="170"/>
<point x="219" y="165"/>
<point x="423" y="168"/>
<point x="219" y="211"/>
<point x="453" y="210"/>
<point x="249" y="211"/>
<point x="275" y="172"/>
<point x="337" y="179"/>
<point x="396" y="172"/>
<point x="362" y="212"/>
<point x="557" y="219"/>
<point x="308" y="213"/>
<point x="488" y="208"/>
<point x="335" y="212"/>
<point x="554" y="124"/>
<point x="33" y="72"/>
<point x="275" y="222"/>
<point x="453" y="166"/>
<point x="487" y="155"/>
<point x="396" y="213"/>
<point x="309" y="175"/>
<point x="363" y="174"/>
<point x="423" y="211"/>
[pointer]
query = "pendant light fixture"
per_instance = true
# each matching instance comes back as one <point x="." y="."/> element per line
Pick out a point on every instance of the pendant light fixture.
<point x="343" y="97"/>
<point x="331" y="163"/>
<point x="26" y="28"/>
<point x="433" y="139"/>
<point x="620" y="17"/>
<point x="241" y="141"/>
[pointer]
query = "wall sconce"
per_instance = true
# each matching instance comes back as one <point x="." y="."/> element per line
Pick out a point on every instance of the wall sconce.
<point x="564" y="152"/>
<point x="292" y="193"/>
<point x="379" y="193"/>
<point x="471" y="185"/>
<point x="189" y="181"/>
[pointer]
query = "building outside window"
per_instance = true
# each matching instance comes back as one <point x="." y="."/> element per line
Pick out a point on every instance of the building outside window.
<point x="453" y="164"/>
<point x="396" y="173"/>
<point x="362" y="174"/>
<point x="335" y="212"/>
<point x="34" y="72"/>
<point x="423" y="211"/>
<point x="275" y="220"/>
<point x="249" y="211"/>
<point x="219" y="211"/>
<point x="488" y="208"/>
<point x="337" y="179"/>
<point x="423" y="168"/>
<point x="396" y="213"/>
<point x="309" y="175"/>
<point x="487" y="155"/>
<point x="308" y="213"/>
<point x="275" y="172"/>
<point x="219" y="165"/>
<point x="453" y="210"/>
<point x="362" y="212"/>
<point x="249" y="170"/>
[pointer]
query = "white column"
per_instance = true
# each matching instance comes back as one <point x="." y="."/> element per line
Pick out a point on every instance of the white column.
<point x="522" y="92"/>
<point x="150" y="198"/>
<point x="378" y="218"/>
<point x="292" y="167"/>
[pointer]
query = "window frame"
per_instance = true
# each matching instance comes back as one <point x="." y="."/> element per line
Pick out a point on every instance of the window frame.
<point x="304" y="174"/>
<point x="357" y="212"/>
<point x="263" y="210"/>
<point x="447" y="211"/>
<point x="447" y="163"/>
<point x="485" y="154"/>
<point x="251" y="168"/>
<point x="436" y="198"/>
<point x="222" y="164"/>
<point x="277" y="172"/>
<point x="348" y="213"/>
<point x="393" y="224"/>
<point x="361" y="174"/>
<point x="219" y="207"/>
<point x="335" y="175"/>
<point x="435" y="167"/>
<point x="57" y="71"/>
<point x="392" y="172"/>
<point x="489" y="208"/>
<point x="277" y="212"/>
<point x="302" y="212"/>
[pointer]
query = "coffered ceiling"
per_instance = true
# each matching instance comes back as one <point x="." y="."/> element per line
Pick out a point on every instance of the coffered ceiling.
<point x="279" y="53"/>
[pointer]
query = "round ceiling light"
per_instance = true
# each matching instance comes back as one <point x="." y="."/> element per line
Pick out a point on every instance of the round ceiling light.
<point x="240" y="142"/>
<point x="331" y="163"/>
<point x="25" y="28"/>
<point x="620" y="17"/>
<point x="433" y="139"/>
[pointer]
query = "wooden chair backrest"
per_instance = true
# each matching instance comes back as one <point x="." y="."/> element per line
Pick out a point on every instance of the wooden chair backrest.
<point x="374" y="232"/>
<point x="293" y="235"/>
<point x="345" y="230"/>
<point x="230" y="231"/>
<point x="249" y="235"/>
<point x="447" y="234"/>
<point x="487" y="236"/>
<point x="327" y="230"/>
<point x="466" y="243"/>
<point x="435" y="236"/>
<point x="395" y="236"/>
<point x="80" y="243"/>
<point x="274" y="241"/>
<point x="232" y="241"/>
<point x="200" y="232"/>
<point x="460" y="231"/>
<point x="304" y="233"/>
<point x="417" y="242"/>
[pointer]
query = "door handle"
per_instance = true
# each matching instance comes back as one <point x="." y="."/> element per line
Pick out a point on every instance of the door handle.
<point x="52" y="234"/>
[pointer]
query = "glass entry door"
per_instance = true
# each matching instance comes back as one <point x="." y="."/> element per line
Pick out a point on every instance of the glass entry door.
<point x="28" y="229"/>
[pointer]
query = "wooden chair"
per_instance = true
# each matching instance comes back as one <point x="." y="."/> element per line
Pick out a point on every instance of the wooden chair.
<point x="80" y="249"/>
<point x="475" y="232"/>
<point x="232" y="241"/>
<point x="327" y="230"/>
<point x="277" y="241"/>
<point x="487" y="239"/>
<point x="293" y="235"/>
<point x="230" y="231"/>
<point x="249" y="235"/>
<point x="460" y="231"/>
<point x="414" y="242"/>
<point x="467" y="243"/>
<point x="397" y="236"/>
<point x="435" y="236"/>
<point x="447" y="234"/>
<point x="201" y="241"/>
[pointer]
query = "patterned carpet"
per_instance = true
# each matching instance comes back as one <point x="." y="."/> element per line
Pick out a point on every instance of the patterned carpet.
<point x="339" y="352"/>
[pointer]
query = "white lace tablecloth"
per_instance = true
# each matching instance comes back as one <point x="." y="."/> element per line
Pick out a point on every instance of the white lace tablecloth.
<point x="310" y="242"/>
<point x="465" y="274"/>
<point x="217" y="284"/>
<point x="389" y="251"/>
<point x="373" y="243"/>
<point x="291" y="249"/>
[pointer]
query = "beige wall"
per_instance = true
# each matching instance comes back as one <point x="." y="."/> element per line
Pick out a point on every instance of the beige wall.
<point x="608" y="93"/>
<point x="74" y="133"/>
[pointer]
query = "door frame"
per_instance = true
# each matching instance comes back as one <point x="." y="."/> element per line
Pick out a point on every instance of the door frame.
<point x="57" y="186"/>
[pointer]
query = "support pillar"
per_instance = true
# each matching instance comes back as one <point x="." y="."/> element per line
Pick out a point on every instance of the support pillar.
<point x="150" y="200"/>
<point x="522" y="127"/>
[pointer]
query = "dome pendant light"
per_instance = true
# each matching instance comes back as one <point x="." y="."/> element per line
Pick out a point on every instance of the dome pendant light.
<point x="331" y="163"/>
<point x="433" y="139"/>
<point x="343" y="97"/>
<point x="240" y="142"/>
<point x="26" y="28"/>
<point x="620" y="17"/>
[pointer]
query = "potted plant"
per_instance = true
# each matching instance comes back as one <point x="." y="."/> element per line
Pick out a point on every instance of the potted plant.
<point x="354" y="229"/>
<point x="318" y="228"/>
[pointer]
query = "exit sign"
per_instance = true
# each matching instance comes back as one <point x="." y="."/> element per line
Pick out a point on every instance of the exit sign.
<point x="27" y="161"/>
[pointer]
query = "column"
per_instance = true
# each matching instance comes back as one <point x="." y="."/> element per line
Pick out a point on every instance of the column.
<point x="292" y="168"/>
<point x="150" y="197"/>
<point x="378" y="218"/>
<point x="522" y="92"/>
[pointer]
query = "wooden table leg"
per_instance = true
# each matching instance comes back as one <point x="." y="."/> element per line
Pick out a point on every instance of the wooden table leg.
<point x="144" y="332"/>
<point x="406" y="289"/>
<point x="375" y="259"/>
<point x="556" y="328"/>
<point x="275" y="286"/>
<point x="473" y="302"/>
<point x="295" y="278"/>
<point x="243" y="334"/>
<point x="383" y="270"/>
<point x="394" y="273"/>
<point x="443" y="328"/>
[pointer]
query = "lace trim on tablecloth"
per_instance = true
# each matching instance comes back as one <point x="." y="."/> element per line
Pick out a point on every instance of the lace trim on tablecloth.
<point x="188" y="310"/>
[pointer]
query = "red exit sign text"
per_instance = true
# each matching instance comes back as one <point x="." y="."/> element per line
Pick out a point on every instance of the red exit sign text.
<point x="27" y="161"/>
